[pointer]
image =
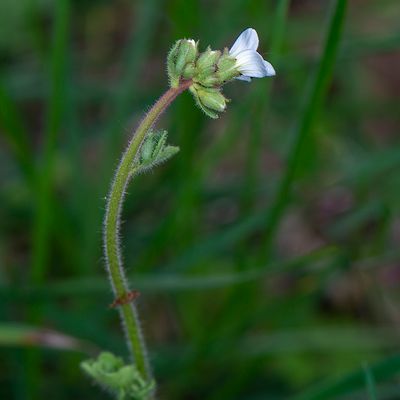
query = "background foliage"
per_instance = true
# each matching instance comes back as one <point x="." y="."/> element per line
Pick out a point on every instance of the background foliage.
<point x="267" y="251"/>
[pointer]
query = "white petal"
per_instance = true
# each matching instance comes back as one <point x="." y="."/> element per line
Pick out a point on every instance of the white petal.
<point x="243" y="78"/>
<point x="248" y="39"/>
<point x="250" y="63"/>
<point x="270" y="68"/>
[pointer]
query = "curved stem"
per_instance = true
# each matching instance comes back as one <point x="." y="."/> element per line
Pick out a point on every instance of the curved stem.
<point x="112" y="250"/>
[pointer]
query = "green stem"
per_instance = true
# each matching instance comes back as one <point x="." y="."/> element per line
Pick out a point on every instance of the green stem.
<point x="113" y="256"/>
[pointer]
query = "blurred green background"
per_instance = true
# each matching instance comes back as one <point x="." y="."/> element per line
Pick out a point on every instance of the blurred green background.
<point x="267" y="251"/>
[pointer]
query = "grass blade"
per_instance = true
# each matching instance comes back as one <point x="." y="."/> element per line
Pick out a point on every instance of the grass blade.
<point x="370" y="383"/>
<point x="262" y="98"/>
<point x="313" y="103"/>
<point x="355" y="380"/>
<point x="54" y="117"/>
<point x="44" y="176"/>
<point x="14" y="131"/>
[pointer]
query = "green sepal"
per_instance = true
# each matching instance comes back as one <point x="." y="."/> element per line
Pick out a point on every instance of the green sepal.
<point x="154" y="151"/>
<point x="210" y="113"/>
<point x="122" y="380"/>
<point x="189" y="71"/>
<point x="208" y="81"/>
<point x="171" y="65"/>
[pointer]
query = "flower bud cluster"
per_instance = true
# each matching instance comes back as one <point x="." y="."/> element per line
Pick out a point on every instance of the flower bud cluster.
<point x="208" y="71"/>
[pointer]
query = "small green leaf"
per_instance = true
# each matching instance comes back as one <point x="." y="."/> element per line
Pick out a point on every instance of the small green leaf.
<point x="124" y="381"/>
<point x="154" y="151"/>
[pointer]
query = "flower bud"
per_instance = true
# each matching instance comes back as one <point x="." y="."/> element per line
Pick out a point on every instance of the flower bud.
<point x="207" y="61"/>
<point x="186" y="53"/>
<point x="226" y="68"/>
<point x="182" y="55"/>
<point x="214" y="68"/>
<point x="212" y="99"/>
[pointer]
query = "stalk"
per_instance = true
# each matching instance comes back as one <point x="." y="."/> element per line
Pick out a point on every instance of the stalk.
<point x="114" y="264"/>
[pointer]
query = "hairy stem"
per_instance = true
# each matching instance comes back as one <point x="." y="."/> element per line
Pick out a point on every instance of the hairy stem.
<point x="112" y="250"/>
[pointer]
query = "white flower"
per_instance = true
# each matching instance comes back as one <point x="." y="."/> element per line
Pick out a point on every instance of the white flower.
<point x="250" y="63"/>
